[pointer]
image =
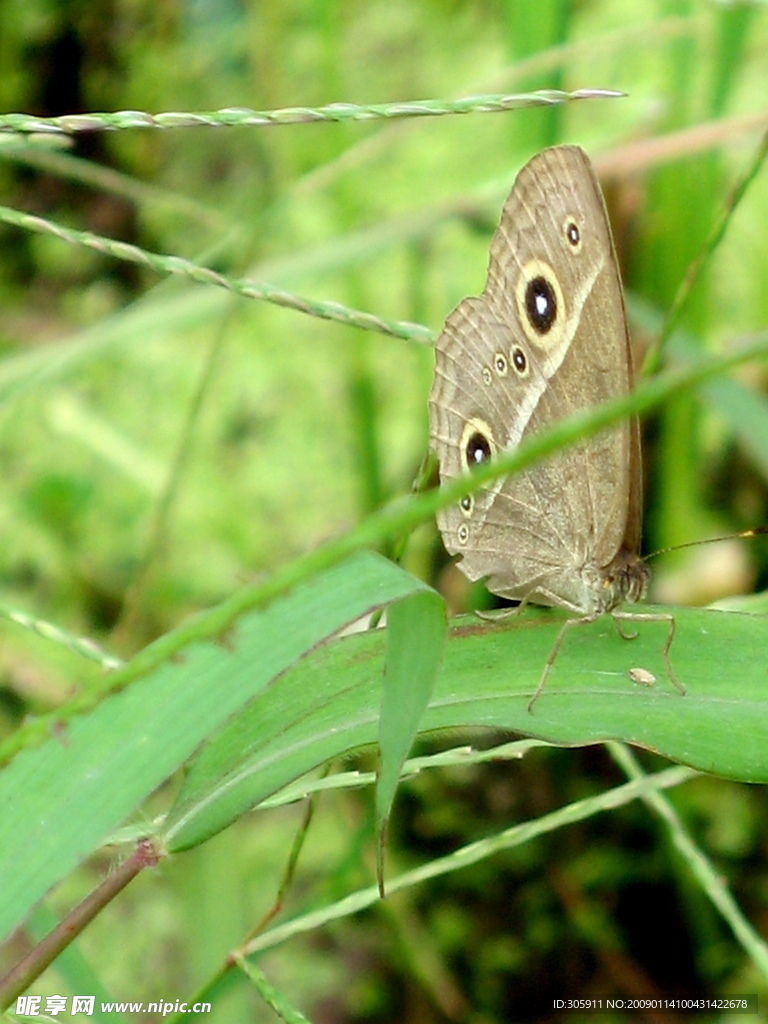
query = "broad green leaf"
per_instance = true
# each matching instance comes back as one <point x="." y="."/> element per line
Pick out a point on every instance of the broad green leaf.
<point x="329" y="703"/>
<point x="416" y="629"/>
<point x="59" y="800"/>
<point x="227" y="778"/>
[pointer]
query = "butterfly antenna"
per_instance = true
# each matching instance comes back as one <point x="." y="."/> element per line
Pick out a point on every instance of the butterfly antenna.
<point x="756" y="531"/>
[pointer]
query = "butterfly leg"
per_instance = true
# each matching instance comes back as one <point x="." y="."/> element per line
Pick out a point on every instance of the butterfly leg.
<point x="654" y="617"/>
<point x="553" y="654"/>
<point x="499" y="614"/>
<point x="620" y="631"/>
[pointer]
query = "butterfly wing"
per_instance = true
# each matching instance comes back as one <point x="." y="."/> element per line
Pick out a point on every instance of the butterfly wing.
<point x="546" y="338"/>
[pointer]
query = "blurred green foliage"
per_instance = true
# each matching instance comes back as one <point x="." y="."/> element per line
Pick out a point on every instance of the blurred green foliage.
<point x="161" y="442"/>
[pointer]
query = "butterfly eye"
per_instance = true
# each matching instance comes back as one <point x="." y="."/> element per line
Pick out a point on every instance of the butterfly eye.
<point x="540" y="304"/>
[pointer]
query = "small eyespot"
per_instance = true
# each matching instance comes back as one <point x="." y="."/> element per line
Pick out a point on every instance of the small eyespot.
<point x="478" y="450"/>
<point x="500" y="364"/>
<point x="572" y="234"/>
<point x="466" y="504"/>
<point x="519" y="361"/>
<point x="540" y="304"/>
<point x="463" y="533"/>
<point x="487" y="376"/>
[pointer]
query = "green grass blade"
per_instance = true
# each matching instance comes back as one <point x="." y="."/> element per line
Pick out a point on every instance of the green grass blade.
<point x="59" y="800"/>
<point x="271" y="995"/>
<point x="471" y="853"/>
<point x="416" y="630"/>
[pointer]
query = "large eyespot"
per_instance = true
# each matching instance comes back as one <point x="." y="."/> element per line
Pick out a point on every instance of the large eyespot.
<point x="466" y="504"/>
<point x="477" y="445"/>
<point x="477" y="450"/>
<point x="540" y="305"/>
<point x="519" y="361"/>
<point x="572" y="234"/>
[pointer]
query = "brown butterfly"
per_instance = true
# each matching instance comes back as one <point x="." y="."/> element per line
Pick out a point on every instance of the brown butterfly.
<point x="547" y="337"/>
